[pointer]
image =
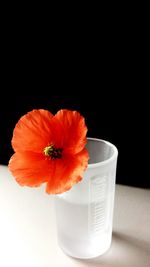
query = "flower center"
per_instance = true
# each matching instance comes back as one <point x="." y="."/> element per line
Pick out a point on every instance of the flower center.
<point x="53" y="152"/>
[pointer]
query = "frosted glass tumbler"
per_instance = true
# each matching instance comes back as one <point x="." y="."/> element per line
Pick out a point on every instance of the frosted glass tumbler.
<point x="84" y="214"/>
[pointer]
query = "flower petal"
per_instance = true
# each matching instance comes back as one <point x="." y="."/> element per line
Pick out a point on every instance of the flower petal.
<point x="30" y="168"/>
<point x="67" y="172"/>
<point x="70" y="130"/>
<point x="33" y="131"/>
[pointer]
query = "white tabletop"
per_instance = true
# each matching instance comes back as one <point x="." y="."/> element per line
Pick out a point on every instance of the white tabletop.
<point x="28" y="229"/>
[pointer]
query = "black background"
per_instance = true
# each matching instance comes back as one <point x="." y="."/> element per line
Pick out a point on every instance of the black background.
<point x="113" y="115"/>
<point x="99" y="68"/>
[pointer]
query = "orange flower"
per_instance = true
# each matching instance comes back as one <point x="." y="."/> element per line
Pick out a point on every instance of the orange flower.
<point x="49" y="149"/>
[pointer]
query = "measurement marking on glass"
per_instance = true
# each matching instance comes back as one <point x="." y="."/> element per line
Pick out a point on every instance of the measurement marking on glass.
<point x="97" y="209"/>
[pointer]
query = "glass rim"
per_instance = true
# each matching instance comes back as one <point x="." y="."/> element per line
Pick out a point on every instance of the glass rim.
<point x="107" y="161"/>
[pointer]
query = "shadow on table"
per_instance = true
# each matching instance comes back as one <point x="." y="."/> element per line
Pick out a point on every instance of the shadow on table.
<point x="125" y="251"/>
